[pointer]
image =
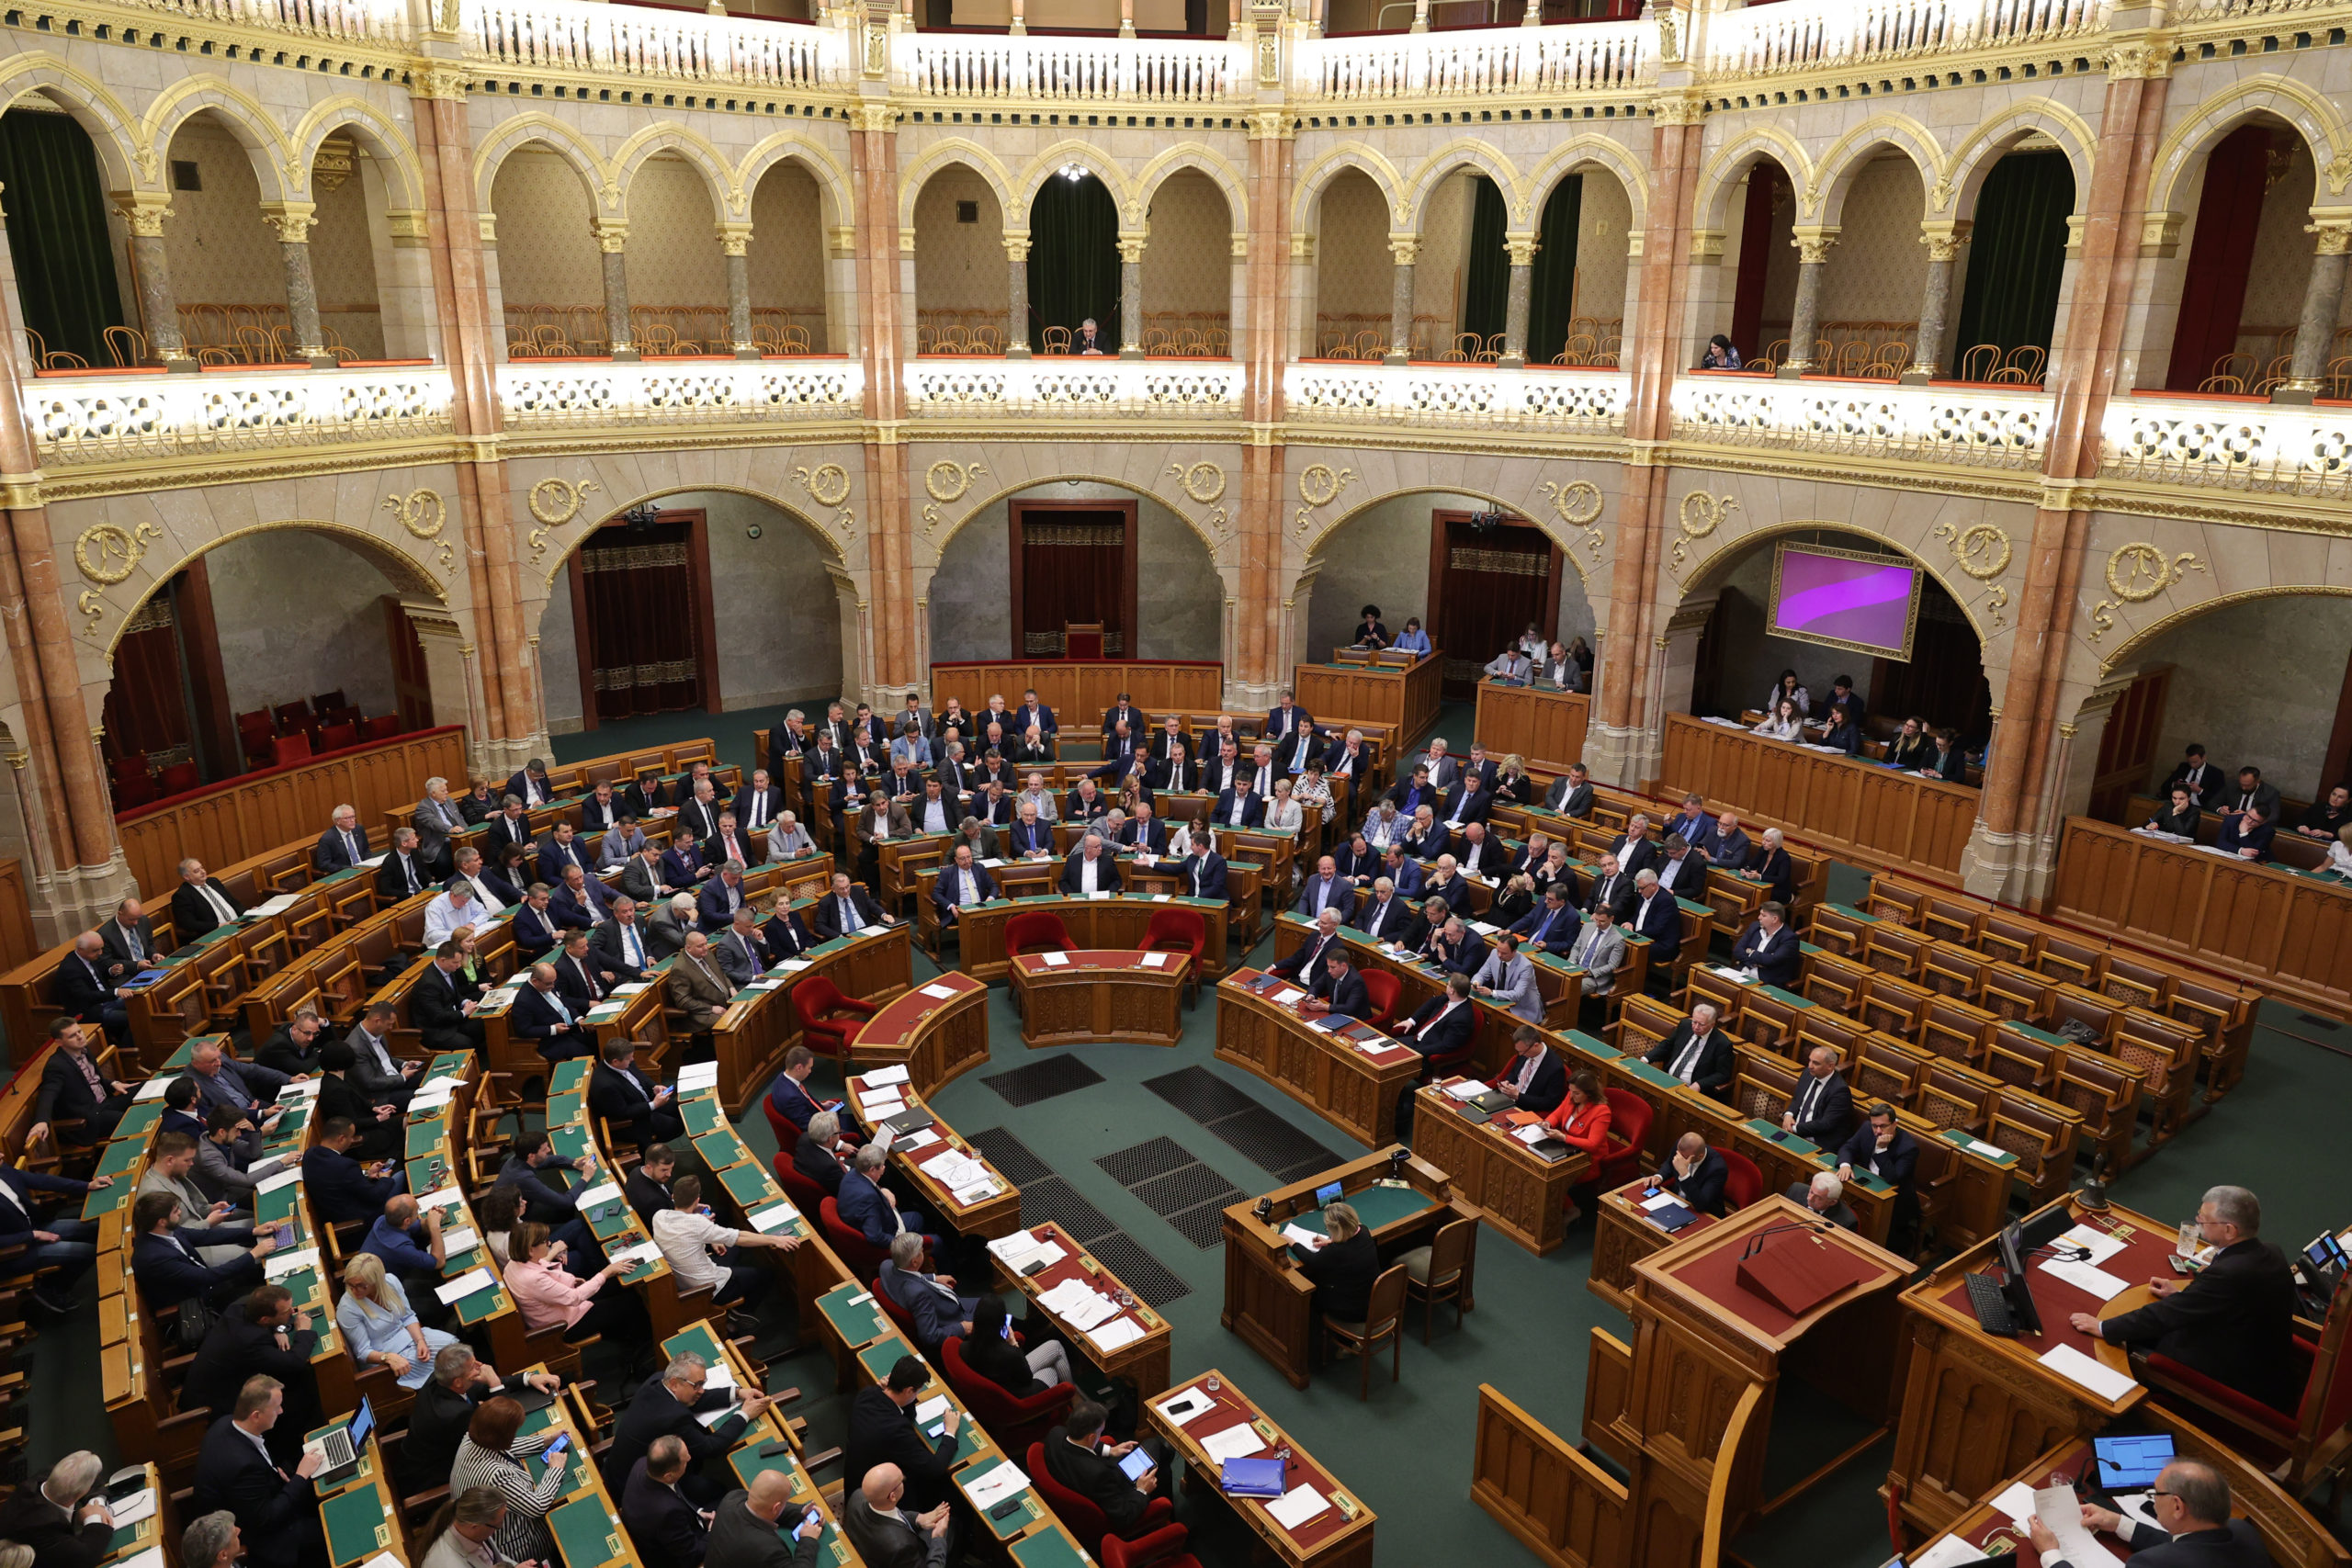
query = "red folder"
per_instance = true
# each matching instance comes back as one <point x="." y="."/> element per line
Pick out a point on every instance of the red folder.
<point x="1798" y="1271"/>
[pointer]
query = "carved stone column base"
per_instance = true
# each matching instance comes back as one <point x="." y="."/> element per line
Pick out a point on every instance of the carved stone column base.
<point x="1918" y="376"/>
<point x="1017" y="351"/>
<point x="2016" y="868"/>
<point x="2300" y="393"/>
<point x="1397" y="357"/>
<point x="627" y="357"/>
<point x="321" y="360"/>
<point x="1792" y="369"/>
<point x="1621" y="756"/>
<point x="747" y="351"/>
<point x="66" y="903"/>
<point x="1131" y="351"/>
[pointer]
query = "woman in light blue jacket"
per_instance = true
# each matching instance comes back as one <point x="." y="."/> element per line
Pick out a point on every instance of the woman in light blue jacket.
<point x="378" y="1325"/>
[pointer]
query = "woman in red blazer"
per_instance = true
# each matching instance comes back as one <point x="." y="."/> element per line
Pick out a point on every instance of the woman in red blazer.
<point x="1582" y="1120"/>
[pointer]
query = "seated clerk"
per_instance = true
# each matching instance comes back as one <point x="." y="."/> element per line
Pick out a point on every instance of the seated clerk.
<point x="1695" y="1174"/>
<point x="2246" y="834"/>
<point x="1534" y="1079"/>
<point x="2180" y="817"/>
<point x="1845" y="730"/>
<point x="1444" y="1023"/>
<point x="1343" y="1267"/>
<point x="1697" y="1052"/>
<point x="1338" y="991"/>
<point x="1768" y="947"/>
<point x="1948" y="762"/>
<point x="1911" y="748"/>
<point x="2193" y="1528"/>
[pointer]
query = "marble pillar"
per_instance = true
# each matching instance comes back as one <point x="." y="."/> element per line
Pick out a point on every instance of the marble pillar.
<point x="1813" y="264"/>
<point x="612" y="239"/>
<point x="736" y="242"/>
<point x="1403" y="247"/>
<point x="1521" y="249"/>
<point x="159" y="307"/>
<point x="2323" y="298"/>
<point x="1943" y="240"/>
<point x="1017" y="292"/>
<point x="1131" y="296"/>
<point x="292" y="221"/>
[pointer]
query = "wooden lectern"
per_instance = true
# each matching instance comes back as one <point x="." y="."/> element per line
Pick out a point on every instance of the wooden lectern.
<point x="1082" y="639"/>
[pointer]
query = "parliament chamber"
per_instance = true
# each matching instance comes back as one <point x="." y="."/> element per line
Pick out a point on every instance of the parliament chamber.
<point x="659" y="910"/>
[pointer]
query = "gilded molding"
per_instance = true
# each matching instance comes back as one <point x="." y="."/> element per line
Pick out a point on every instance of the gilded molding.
<point x="1677" y="108"/>
<point x="451" y="82"/>
<point x="292" y="219"/>
<point x="2150" y="59"/>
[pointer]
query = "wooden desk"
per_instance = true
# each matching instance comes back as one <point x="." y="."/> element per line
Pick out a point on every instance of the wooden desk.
<point x="1862" y="810"/>
<point x="994" y="1202"/>
<point x="756" y="1028"/>
<point x="1623" y="1236"/>
<point x="1406" y="698"/>
<point x="1544" y="727"/>
<point x="936" y="1037"/>
<point x="1080" y="691"/>
<point x="1143" y="1362"/>
<point x="1524" y="1195"/>
<point x="1559" y="983"/>
<point x="1098" y="994"/>
<point x="1269" y="1302"/>
<point x="2285" y="931"/>
<point x="1118" y="921"/>
<point x="1339" y="1537"/>
<point x="1334" y="1073"/>
<point x="360" y="1514"/>
<point x="1977" y="1408"/>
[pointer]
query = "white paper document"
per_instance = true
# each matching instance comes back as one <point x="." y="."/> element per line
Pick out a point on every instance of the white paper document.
<point x="602" y="1193"/>
<point x="987" y="1491"/>
<point x="2017" y="1502"/>
<point x="1117" y="1334"/>
<point x="955" y="1168"/>
<point x="133" y="1509"/>
<point x="1155" y="959"/>
<point x="1990" y="1151"/>
<point x="980" y="1191"/>
<point x="1945" y="1553"/>
<point x="634" y="987"/>
<point x="277" y="1265"/>
<point x="2070" y="1363"/>
<point x="440" y="1198"/>
<point x="768" y="1219"/>
<point x="1657" y="1200"/>
<point x="1287" y="996"/>
<point x="283" y="1179"/>
<point x="1183" y="1406"/>
<point x="288" y="1094"/>
<point x="1295" y="1506"/>
<point x="1008" y="1247"/>
<point x="1235" y="1442"/>
<point x="2089" y="1279"/>
<point x="643" y="1252"/>
<point x="458" y="1240"/>
<point x="154" y="1088"/>
<point x="1299" y="1235"/>
<point x="879" y="1107"/>
<point x="883" y="1077"/>
<point x="2091" y="1239"/>
<point x="794" y="965"/>
<point x="1468" y="1089"/>
<point x="2057" y="1507"/>
<point x="941" y="993"/>
<point x="932" y="1409"/>
<point x="1057" y="960"/>
<point x="701" y="1075"/>
<point x="269" y="906"/>
<point x="464" y="1285"/>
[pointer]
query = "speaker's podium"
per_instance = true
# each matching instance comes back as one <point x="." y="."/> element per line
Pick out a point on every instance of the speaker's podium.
<point x="1721" y="1320"/>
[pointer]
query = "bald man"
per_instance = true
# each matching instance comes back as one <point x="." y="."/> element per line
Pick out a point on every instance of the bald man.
<point x="747" y="1532"/>
<point x="884" y="1532"/>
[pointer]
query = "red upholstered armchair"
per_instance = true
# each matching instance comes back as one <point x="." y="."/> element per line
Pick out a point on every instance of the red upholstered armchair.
<point x="1037" y="930"/>
<point x="788" y="1136"/>
<point x="1629" y="1129"/>
<point x="2310" y="1441"/>
<point x="1383" y="989"/>
<point x="1084" y="1520"/>
<point x="828" y="1019"/>
<point x="806" y="1195"/>
<point x="1179" y="931"/>
<point x="1743" y="1183"/>
<point x="863" y="1258"/>
<point x="1013" y="1421"/>
<point x="1160" y="1549"/>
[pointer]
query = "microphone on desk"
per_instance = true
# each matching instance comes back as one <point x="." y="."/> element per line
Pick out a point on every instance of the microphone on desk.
<point x="1812" y="1227"/>
<point x="1264" y="1211"/>
<point x="2092" y="1194"/>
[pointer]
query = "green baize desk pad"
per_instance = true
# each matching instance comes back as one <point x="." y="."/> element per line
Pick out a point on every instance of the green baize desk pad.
<point x="1375" y="1206"/>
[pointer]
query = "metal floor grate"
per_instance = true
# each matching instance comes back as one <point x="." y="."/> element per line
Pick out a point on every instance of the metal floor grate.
<point x="1261" y="1135"/>
<point x="1147" y="1275"/>
<point x="1056" y="1199"/>
<point x="1203" y="1226"/>
<point x="1140" y="1164"/>
<point x="1200" y="1094"/>
<point x="1186" y="1188"/>
<point x="1012" y="1158"/>
<point x="1059" y="1074"/>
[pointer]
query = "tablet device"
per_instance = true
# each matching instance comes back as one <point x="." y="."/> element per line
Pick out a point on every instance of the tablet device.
<point x="1136" y="1465"/>
<point x="2127" y="1464"/>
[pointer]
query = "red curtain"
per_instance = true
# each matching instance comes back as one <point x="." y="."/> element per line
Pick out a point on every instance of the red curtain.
<point x="641" y="621"/>
<point x="1764" y="181"/>
<point x="146" y="708"/>
<point x="1073" y="568"/>
<point x="1496" y="580"/>
<point x="2221" y="254"/>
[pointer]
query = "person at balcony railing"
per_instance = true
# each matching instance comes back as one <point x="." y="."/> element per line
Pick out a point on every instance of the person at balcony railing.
<point x="1911" y="748"/>
<point x="1845" y="730"/>
<point x="1783" y="723"/>
<point x="1088" y="338"/>
<point x="1790" y="687"/>
<point x="2246" y="834"/>
<point x="1373" y="632"/>
<point x="1721" y="354"/>
<point x="1950" y="762"/>
<point x="1413" y="640"/>
<point x="1511" y="667"/>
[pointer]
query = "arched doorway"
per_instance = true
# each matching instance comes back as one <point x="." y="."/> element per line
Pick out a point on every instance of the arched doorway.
<point x="1074" y="266"/>
<point x="69" y="291"/>
<point x="963" y="289"/>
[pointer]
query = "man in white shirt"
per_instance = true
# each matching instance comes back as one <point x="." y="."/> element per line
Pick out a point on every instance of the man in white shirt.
<point x="1034" y="793"/>
<point x="445" y="915"/>
<point x="758" y="806"/>
<point x="1479" y="857"/>
<point x="687" y="1237"/>
<point x="788" y="839"/>
<point x="933" y="815"/>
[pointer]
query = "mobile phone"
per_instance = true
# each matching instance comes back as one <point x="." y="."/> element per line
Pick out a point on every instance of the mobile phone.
<point x="1035" y="1269"/>
<point x="563" y="1442"/>
<point x="1005" y="1328"/>
<point x="1005" y="1509"/>
<point x="775" y="1450"/>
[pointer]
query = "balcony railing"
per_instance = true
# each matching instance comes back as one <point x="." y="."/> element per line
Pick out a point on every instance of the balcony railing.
<point x="575" y="393"/>
<point x="1801" y="35"/>
<point x="1589" y="57"/>
<point x="1140" y="387"/>
<point x="1996" y="427"/>
<point x="106" y="419"/>
<point x="348" y="21"/>
<point x="1070" y="69"/>
<point x="1454" y="396"/>
<point x="2270" y="447"/>
<point x="636" y="40"/>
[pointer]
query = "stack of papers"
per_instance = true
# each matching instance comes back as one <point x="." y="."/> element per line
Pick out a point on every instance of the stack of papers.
<point x="283" y="1179"/>
<point x="1468" y="1089"/>
<point x="884" y="1078"/>
<point x="1237" y="1441"/>
<point x="2089" y="1279"/>
<point x="699" y="1077"/>
<point x="430" y="1100"/>
<point x="287" y="1093"/>
<point x="1056" y="960"/>
<point x="157" y="1086"/>
<point x="1298" y="1235"/>
<point x="1115" y="1335"/>
<point x="2091" y="1239"/>
<point x="980" y="1191"/>
<point x="1287" y="995"/>
<point x="277" y="1265"/>
<point x="921" y="1138"/>
<point x="1022" y="1248"/>
<point x="1155" y="959"/>
<point x="2073" y="1365"/>
<point x="1079" y="1305"/>
<point x="464" y="1285"/>
<point x="633" y="987"/>
<point x="777" y="1214"/>
<point x="794" y="965"/>
<point x="955" y="1168"/>
<point x="987" y="1491"/>
<point x="2057" y="1507"/>
<point x="1295" y="1506"/>
<point x="269" y="906"/>
<point x="881" y="1107"/>
<point x="440" y="1198"/>
<point x="1184" y="1407"/>
<point x="458" y="1240"/>
<point x="133" y="1509"/>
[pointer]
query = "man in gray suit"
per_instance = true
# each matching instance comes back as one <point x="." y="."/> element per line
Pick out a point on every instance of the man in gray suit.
<point x="375" y="1072"/>
<point x="436" y="818"/>
<point x="887" y="1535"/>
<point x="740" y="955"/>
<point x="641" y="878"/>
<point x="787" y="837"/>
<point x="666" y="933"/>
<point x="1599" y="949"/>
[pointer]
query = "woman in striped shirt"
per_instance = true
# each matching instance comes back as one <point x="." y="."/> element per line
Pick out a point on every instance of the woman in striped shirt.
<point x="490" y="1457"/>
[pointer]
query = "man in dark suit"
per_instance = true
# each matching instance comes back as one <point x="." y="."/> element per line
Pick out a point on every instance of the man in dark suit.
<point x="129" y="940"/>
<point x="2246" y="834"/>
<point x="1682" y="869"/>
<point x="616" y="950"/>
<point x="1338" y="991"/>
<point x="1534" y="1080"/>
<point x="528" y="783"/>
<point x="601" y="813"/>
<point x="560" y="848"/>
<point x="721" y="896"/>
<point x="2249" y="794"/>
<point x="648" y="1187"/>
<point x="1551" y="926"/>
<point x="262" y="1336"/>
<point x="1824" y="1197"/>
<point x="1305" y="963"/>
<point x="813" y="1155"/>
<point x="2202" y="779"/>
<point x="1695" y="1174"/>
<point x="74" y="1246"/>
<point x="846" y="908"/>
<point x="509" y="827"/>
<point x="1239" y="808"/>
<point x="963" y="882"/>
<point x="759" y="803"/>
<point x="700" y="812"/>
<point x="666" y="1528"/>
<point x="64" y="1520"/>
<point x="535" y="929"/>
<point x="1611" y="885"/>
<point x="404" y="873"/>
<point x="1386" y="917"/>
<point x="882" y="1430"/>
<point x="1571" y="794"/>
<point x="164" y="1256"/>
<point x="1635" y="851"/>
<point x="1656" y="917"/>
<point x="2192" y="1504"/>
<point x="2232" y="1321"/>
<point x="1469" y="801"/>
<point x="85" y="989"/>
<point x="1443" y="1024"/>
<point x="1697" y="1052"/>
<point x="541" y="1016"/>
<point x="1125" y="712"/>
<point x="789" y="1094"/>
<point x="1350" y="758"/>
<point x="276" y="1512"/>
<point x="1880" y="1148"/>
<point x="1202" y="871"/>
<point x="1822" y="1110"/>
<point x="1144" y="832"/>
<point x="887" y="1534"/>
<point x="1326" y="889"/>
<point x="1031" y="835"/>
<point x="340" y="1189"/>
<point x="1076" y="1457"/>
<point x="1356" y="860"/>
<point x="1090" y="869"/>
<point x="441" y="1004"/>
<point x="491" y="888"/>
<point x="667" y="1406"/>
<point x="200" y="903"/>
<point x="344" y="844"/>
<point x="751" y="1529"/>
<point x="625" y="1094"/>
<point x="1769" y="947"/>
<point x="220" y="1081"/>
<point x="72" y="1087"/>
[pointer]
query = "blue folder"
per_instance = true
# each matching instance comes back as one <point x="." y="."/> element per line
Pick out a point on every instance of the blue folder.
<point x="1253" y="1477"/>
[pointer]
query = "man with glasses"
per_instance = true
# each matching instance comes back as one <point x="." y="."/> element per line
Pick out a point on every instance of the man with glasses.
<point x="2193" y="1529"/>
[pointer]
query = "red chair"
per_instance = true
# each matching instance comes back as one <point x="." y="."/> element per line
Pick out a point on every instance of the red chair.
<point x="1161" y="1549"/>
<point x="1084" y="1520"/>
<point x="179" y="778"/>
<point x="1743" y="1183"/>
<point x="1037" y="931"/>
<point x="129" y="793"/>
<point x="294" y="748"/>
<point x="1629" y="1129"/>
<point x="121" y="767"/>
<point x="828" y="1019"/>
<point x="335" y="736"/>
<point x="2301" y="1446"/>
<point x="788" y="1136"/>
<point x="382" y="728"/>
<point x="292" y="717"/>
<point x="1011" y="1420"/>
<point x="806" y="1195"/>
<point x="1179" y="931"/>
<point x="323" y="703"/>
<point x="863" y="1256"/>
<point x="1384" y="990"/>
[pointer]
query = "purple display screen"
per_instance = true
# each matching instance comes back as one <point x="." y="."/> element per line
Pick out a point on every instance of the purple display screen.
<point x="1821" y="597"/>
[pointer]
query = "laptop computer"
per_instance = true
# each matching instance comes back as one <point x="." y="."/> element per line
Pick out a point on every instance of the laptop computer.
<point x="342" y="1448"/>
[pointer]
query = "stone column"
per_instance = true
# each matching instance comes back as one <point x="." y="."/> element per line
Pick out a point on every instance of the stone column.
<point x="292" y="219"/>
<point x="2322" y="298"/>
<point x="159" y="307"/>
<point x="887" y="607"/>
<point x="1126" y="18"/>
<point x="1943" y="238"/>
<point x="1813" y="261"/>
<point x="1260" y="586"/>
<point x="1521" y="249"/>
<point x="1403" y="247"/>
<point x="735" y="241"/>
<point x="1421" y="16"/>
<point x="1016" y="293"/>
<point x="1131" y="296"/>
<point x="612" y="239"/>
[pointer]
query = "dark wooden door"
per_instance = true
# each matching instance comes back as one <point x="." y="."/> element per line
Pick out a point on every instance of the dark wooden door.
<point x="1072" y="561"/>
<point x="411" y="685"/>
<point x="1486" y="583"/>
<point x="641" y="614"/>
<point x="2127" y="747"/>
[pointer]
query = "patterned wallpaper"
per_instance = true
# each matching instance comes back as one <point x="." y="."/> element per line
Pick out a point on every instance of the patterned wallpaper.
<point x="1351" y="266"/>
<point x="222" y="253"/>
<point x="343" y="264"/>
<point x="787" y="253"/>
<point x="547" y="255"/>
<point x="2282" y="258"/>
<point x="1879" y="267"/>
<point x="1604" y="228"/>
<point x="673" y="254"/>
<point x="1189" y="263"/>
<point x="958" y="266"/>
<point x="1439" y="267"/>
